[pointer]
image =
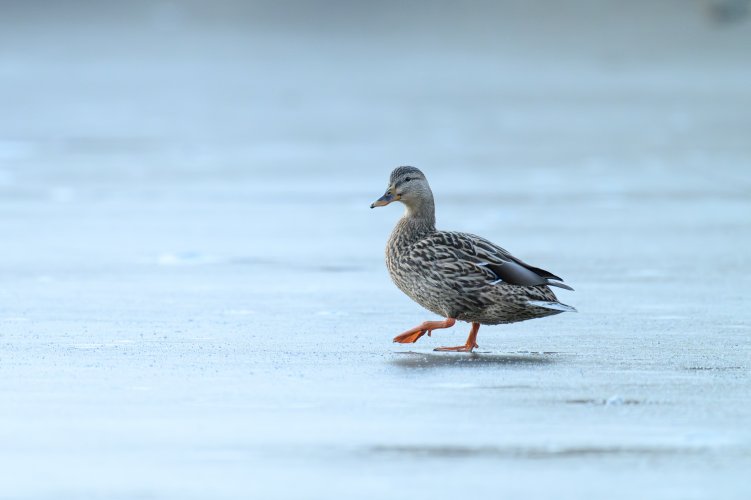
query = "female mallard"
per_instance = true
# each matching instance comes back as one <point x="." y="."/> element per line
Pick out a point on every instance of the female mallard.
<point x="459" y="276"/>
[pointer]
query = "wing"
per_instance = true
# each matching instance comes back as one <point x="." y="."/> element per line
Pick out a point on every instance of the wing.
<point x="471" y="258"/>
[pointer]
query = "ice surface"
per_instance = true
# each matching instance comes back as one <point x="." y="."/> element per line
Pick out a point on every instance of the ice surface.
<point x="194" y="302"/>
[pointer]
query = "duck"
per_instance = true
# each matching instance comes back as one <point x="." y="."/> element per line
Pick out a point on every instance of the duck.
<point x="458" y="276"/>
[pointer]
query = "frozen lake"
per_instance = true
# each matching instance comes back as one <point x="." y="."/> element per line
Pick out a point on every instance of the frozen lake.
<point x="193" y="299"/>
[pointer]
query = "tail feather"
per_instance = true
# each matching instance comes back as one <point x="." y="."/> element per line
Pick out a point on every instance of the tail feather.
<point x="555" y="306"/>
<point x="559" y="285"/>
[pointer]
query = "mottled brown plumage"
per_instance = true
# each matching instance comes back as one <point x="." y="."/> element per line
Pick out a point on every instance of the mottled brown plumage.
<point x="459" y="276"/>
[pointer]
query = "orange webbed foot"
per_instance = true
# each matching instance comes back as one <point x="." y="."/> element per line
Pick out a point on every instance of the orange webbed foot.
<point x="459" y="348"/>
<point x="410" y="338"/>
<point x="411" y="335"/>
<point x="471" y="342"/>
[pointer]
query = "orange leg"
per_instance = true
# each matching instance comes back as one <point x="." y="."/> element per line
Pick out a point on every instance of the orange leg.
<point x="411" y="335"/>
<point x="471" y="341"/>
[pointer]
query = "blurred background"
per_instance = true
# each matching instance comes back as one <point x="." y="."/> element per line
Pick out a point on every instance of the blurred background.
<point x="297" y="103"/>
<point x="192" y="284"/>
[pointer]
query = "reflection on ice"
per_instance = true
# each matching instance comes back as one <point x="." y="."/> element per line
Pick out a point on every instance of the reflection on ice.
<point x="467" y="360"/>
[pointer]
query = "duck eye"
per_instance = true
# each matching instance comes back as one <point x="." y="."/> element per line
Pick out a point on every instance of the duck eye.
<point x="407" y="179"/>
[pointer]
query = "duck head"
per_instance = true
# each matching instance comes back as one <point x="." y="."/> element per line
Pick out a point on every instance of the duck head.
<point x="407" y="185"/>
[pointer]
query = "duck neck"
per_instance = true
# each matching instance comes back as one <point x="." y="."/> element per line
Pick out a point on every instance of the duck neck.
<point x="418" y="221"/>
<point x="422" y="210"/>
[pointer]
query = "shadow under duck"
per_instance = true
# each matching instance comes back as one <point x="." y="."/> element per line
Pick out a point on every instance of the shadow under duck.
<point x="458" y="276"/>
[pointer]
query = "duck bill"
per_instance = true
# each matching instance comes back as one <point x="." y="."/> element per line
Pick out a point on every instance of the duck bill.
<point x="384" y="200"/>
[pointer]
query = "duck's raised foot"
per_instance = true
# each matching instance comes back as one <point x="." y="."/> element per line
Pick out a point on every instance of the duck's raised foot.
<point x="411" y="335"/>
<point x="410" y="338"/>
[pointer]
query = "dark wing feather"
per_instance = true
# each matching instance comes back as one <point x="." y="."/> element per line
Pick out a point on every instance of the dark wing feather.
<point x="516" y="274"/>
<point x="536" y="270"/>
